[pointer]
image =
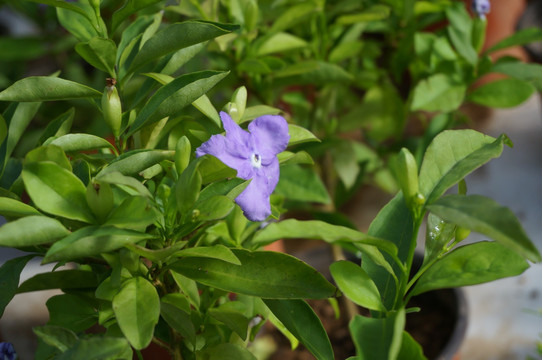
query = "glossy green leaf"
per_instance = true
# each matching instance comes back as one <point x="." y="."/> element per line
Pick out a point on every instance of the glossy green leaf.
<point x="438" y="93"/>
<point x="204" y="105"/>
<point x="502" y="93"/>
<point x="253" y="112"/>
<point x="73" y="312"/>
<point x="227" y="351"/>
<point x="135" y="212"/>
<point x="56" y="336"/>
<point x="280" y="42"/>
<point x="219" y="252"/>
<point x="94" y="348"/>
<point x="83" y="26"/>
<point x="14" y="208"/>
<point x="233" y="317"/>
<point x="179" y="320"/>
<point x="470" y="265"/>
<point x="290" y="158"/>
<point x="62" y="4"/>
<point x="60" y="279"/>
<point x="49" y="153"/>
<point x="92" y="240"/>
<point x="298" y="316"/>
<point x="529" y="72"/>
<point x="156" y="255"/>
<point x="188" y="187"/>
<point x="100" y="53"/>
<point x="520" y="37"/>
<point x="452" y="155"/>
<point x="262" y="273"/>
<point x="484" y="215"/>
<point x="129" y="8"/>
<point x="301" y="184"/>
<point x="45" y="88"/>
<point x="57" y="191"/>
<point x="299" y="135"/>
<point x="59" y="126"/>
<point x="215" y="208"/>
<point x="116" y="178"/>
<point x="212" y="169"/>
<point x="378" y="338"/>
<point x="132" y="163"/>
<point x="178" y="36"/>
<point x="188" y="287"/>
<point x="80" y="142"/>
<point x="170" y="99"/>
<point x="10" y="272"/>
<point x="31" y="230"/>
<point x="354" y="282"/>
<point x="410" y="348"/>
<point x="137" y="309"/>
<point x="439" y="233"/>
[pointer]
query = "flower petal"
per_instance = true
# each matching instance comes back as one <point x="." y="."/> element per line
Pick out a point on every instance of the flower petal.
<point x="254" y="200"/>
<point x="270" y="135"/>
<point x="220" y="147"/>
<point x="272" y="174"/>
<point x="239" y="140"/>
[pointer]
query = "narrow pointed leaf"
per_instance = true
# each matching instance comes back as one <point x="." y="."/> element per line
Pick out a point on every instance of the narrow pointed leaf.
<point x="14" y="208"/>
<point x="503" y="93"/>
<point x="298" y="316"/>
<point x="470" y="265"/>
<point x="60" y="279"/>
<point x="219" y="252"/>
<point x="31" y="230"/>
<point x="45" y="88"/>
<point x="134" y="162"/>
<point x="262" y="273"/>
<point x="484" y="215"/>
<point x="80" y="142"/>
<point x="129" y="8"/>
<point x="100" y="53"/>
<point x="10" y="273"/>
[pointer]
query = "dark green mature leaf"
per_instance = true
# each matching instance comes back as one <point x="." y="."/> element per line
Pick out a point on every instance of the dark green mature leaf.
<point x="178" y="36"/>
<point x="10" y="273"/>
<point x="170" y="99"/>
<point x="92" y="240"/>
<point x="45" y="88"/>
<point x="502" y="93"/>
<point x="137" y="308"/>
<point x="520" y="37"/>
<point x="354" y="282"/>
<point x="485" y="216"/>
<point x="378" y="338"/>
<point x="452" y="155"/>
<point x="60" y="279"/>
<point x="470" y="265"/>
<point x="293" y="15"/>
<point x="14" y="208"/>
<point x="179" y="320"/>
<point x="188" y="187"/>
<point x="227" y="351"/>
<point x="31" y="230"/>
<point x="231" y="314"/>
<point x="301" y="184"/>
<point x="522" y="71"/>
<point x="135" y="212"/>
<point x="262" y="273"/>
<point x="56" y="190"/>
<point x="438" y="93"/>
<point x="131" y="163"/>
<point x="97" y="348"/>
<point x="100" y="53"/>
<point x="298" y="316"/>
<point x="63" y="4"/>
<point x="129" y="8"/>
<point x="82" y="27"/>
<point x="59" y="126"/>
<point x="73" y="312"/>
<point x="219" y="252"/>
<point x="57" y="336"/>
<point x="80" y="142"/>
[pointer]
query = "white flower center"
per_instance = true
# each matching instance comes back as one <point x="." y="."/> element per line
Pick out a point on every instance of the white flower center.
<point x="256" y="161"/>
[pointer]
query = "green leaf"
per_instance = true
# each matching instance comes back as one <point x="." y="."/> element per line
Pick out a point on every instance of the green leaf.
<point x="301" y="184"/>
<point x="215" y="208"/>
<point x="132" y="163"/>
<point x="57" y="191"/>
<point x="438" y="93"/>
<point x="373" y="13"/>
<point x="439" y="233"/>
<point x="170" y="99"/>
<point x="253" y="112"/>
<point x="521" y="37"/>
<point x="470" y="265"/>
<point x="410" y="348"/>
<point x="452" y="155"/>
<point x="156" y="255"/>
<point x="83" y="26"/>
<point x="14" y="208"/>
<point x="188" y="187"/>
<point x="49" y="153"/>
<point x="232" y="316"/>
<point x="219" y="252"/>
<point x="100" y="53"/>
<point x="135" y="212"/>
<point x="130" y="7"/>
<point x="502" y="93"/>
<point x="531" y="73"/>
<point x="262" y="273"/>
<point x="57" y="336"/>
<point x="59" y="126"/>
<point x="137" y="309"/>
<point x="92" y="240"/>
<point x="300" y="135"/>
<point x="312" y="72"/>
<point x="96" y="348"/>
<point x="46" y="88"/>
<point x="73" y="312"/>
<point x="63" y="4"/>
<point x="178" y="36"/>
<point x="378" y="338"/>
<point x="60" y="279"/>
<point x="116" y="178"/>
<point x="280" y="42"/>
<point x="354" y="282"/>
<point x="293" y="15"/>
<point x="298" y="316"/>
<point x="80" y="142"/>
<point x="485" y="216"/>
<point x="204" y="105"/>
<point x="10" y="273"/>
<point x="227" y="351"/>
<point x="31" y="230"/>
<point x="179" y="320"/>
<point x="460" y="32"/>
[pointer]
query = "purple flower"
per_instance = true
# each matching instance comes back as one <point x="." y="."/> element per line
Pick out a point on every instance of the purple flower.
<point x="254" y="155"/>
<point x="481" y="8"/>
<point x="7" y="352"/>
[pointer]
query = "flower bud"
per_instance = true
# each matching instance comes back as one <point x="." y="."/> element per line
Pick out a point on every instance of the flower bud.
<point x="182" y="154"/>
<point x="406" y="173"/>
<point x="100" y="199"/>
<point x="111" y="107"/>
<point x="461" y="234"/>
<point x="239" y="98"/>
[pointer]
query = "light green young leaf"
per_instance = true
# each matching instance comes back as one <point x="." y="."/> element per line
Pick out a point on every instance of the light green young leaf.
<point x="470" y="265"/>
<point x="298" y="316"/>
<point x="137" y="309"/>
<point x="280" y="42"/>
<point x="484" y="215"/>
<point x="300" y="135"/>
<point x="46" y="88"/>
<point x="529" y="72"/>
<point x="131" y="163"/>
<point x="31" y="230"/>
<point x="14" y="208"/>
<point x="438" y="93"/>
<point x="374" y="13"/>
<point x="219" y="252"/>
<point x="354" y="282"/>
<point x="293" y="15"/>
<point x="503" y="93"/>
<point x="215" y="208"/>
<point x="80" y="142"/>
<point x="410" y="348"/>
<point x="116" y="178"/>
<point x="460" y="32"/>
<point x="130" y="7"/>
<point x="264" y="274"/>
